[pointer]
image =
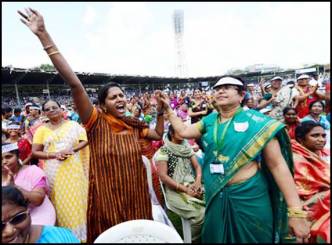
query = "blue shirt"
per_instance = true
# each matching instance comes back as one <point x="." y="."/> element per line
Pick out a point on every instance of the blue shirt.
<point x="54" y="234"/>
<point x="322" y="120"/>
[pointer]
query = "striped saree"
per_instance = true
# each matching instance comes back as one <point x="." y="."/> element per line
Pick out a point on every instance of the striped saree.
<point x="118" y="188"/>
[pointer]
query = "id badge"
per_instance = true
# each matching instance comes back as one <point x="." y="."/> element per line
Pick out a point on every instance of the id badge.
<point x="216" y="168"/>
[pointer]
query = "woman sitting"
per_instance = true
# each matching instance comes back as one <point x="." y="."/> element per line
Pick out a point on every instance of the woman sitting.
<point x="316" y="108"/>
<point x="31" y="181"/>
<point x="175" y="162"/>
<point x="312" y="177"/>
<point x="16" y="222"/>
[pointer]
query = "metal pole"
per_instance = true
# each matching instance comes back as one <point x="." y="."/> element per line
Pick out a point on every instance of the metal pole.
<point x="48" y="90"/>
<point x="17" y="95"/>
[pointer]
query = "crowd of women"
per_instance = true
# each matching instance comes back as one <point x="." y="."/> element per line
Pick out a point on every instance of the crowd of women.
<point x="237" y="174"/>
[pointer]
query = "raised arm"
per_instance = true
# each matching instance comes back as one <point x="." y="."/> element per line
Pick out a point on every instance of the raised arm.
<point x="185" y="131"/>
<point x="34" y="20"/>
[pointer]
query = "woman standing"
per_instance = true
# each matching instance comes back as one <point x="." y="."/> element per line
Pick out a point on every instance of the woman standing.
<point x="118" y="188"/>
<point x="312" y="177"/>
<point x="61" y="144"/>
<point x="244" y="172"/>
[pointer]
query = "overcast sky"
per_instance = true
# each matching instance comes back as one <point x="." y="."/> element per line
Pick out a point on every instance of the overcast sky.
<point x="138" y="38"/>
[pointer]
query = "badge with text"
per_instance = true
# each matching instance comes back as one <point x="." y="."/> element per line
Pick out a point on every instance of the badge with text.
<point x="241" y="127"/>
<point x="217" y="168"/>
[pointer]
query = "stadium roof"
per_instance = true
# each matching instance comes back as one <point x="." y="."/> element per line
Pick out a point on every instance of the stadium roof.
<point x="28" y="76"/>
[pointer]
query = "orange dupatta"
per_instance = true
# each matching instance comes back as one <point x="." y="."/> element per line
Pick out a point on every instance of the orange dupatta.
<point x="312" y="179"/>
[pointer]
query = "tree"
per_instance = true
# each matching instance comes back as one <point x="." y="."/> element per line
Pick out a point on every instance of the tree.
<point x="46" y="67"/>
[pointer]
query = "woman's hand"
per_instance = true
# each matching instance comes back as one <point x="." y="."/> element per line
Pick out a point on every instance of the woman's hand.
<point x="61" y="156"/>
<point x="34" y="20"/>
<point x="160" y="104"/>
<point x="190" y="191"/>
<point x="300" y="228"/>
<point x="9" y="177"/>
<point x="162" y="98"/>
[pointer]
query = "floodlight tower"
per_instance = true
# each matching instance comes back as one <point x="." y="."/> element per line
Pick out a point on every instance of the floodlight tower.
<point x="180" y="67"/>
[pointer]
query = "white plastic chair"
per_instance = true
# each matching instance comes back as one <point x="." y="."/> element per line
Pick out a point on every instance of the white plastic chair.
<point x="158" y="213"/>
<point x="139" y="231"/>
<point x="186" y="226"/>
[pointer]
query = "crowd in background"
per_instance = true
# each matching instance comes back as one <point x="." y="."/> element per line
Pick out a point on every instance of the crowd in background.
<point x="48" y="189"/>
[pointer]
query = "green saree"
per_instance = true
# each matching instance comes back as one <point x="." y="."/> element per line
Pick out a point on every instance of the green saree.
<point x="252" y="211"/>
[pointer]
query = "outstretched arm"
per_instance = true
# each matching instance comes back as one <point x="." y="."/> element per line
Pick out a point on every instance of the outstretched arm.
<point x="34" y="20"/>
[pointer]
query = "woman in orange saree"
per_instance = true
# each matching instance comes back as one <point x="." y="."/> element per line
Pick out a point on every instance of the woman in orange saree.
<point x="312" y="177"/>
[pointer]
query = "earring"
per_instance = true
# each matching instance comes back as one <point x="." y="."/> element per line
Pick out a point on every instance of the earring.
<point x="20" y="162"/>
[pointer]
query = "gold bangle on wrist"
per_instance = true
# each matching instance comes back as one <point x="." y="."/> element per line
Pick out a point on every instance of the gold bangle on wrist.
<point x="177" y="186"/>
<point x="49" y="46"/>
<point x="55" y="52"/>
<point x="297" y="212"/>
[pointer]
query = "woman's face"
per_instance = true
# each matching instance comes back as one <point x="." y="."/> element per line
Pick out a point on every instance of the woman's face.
<point x="250" y="103"/>
<point x="9" y="160"/>
<point x="225" y="95"/>
<point x="137" y="112"/>
<point x="315" y="139"/>
<point x="177" y="137"/>
<point x="316" y="109"/>
<point x="197" y="94"/>
<point x="52" y="110"/>
<point x="115" y="102"/>
<point x="14" y="132"/>
<point x="19" y="224"/>
<point x="302" y="82"/>
<point x="290" y="117"/>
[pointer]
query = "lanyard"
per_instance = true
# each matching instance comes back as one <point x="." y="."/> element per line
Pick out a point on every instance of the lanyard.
<point x="215" y="130"/>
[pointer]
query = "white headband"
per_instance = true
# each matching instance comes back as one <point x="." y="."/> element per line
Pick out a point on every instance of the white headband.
<point x="228" y="80"/>
<point x="9" y="147"/>
<point x="13" y="126"/>
<point x="34" y="108"/>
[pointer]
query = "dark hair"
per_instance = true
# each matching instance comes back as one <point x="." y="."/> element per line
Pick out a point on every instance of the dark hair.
<point x="317" y="101"/>
<point x="287" y="109"/>
<point x="43" y="105"/>
<point x="304" y="128"/>
<point x="17" y="109"/>
<point x="12" y="195"/>
<point x="170" y="132"/>
<point x="102" y="93"/>
<point x="6" y="109"/>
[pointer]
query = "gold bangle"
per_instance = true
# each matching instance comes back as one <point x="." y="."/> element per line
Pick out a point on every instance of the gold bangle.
<point x="55" y="52"/>
<point x="49" y="46"/>
<point x="296" y="212"/>
<point x="177" y="186"/>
